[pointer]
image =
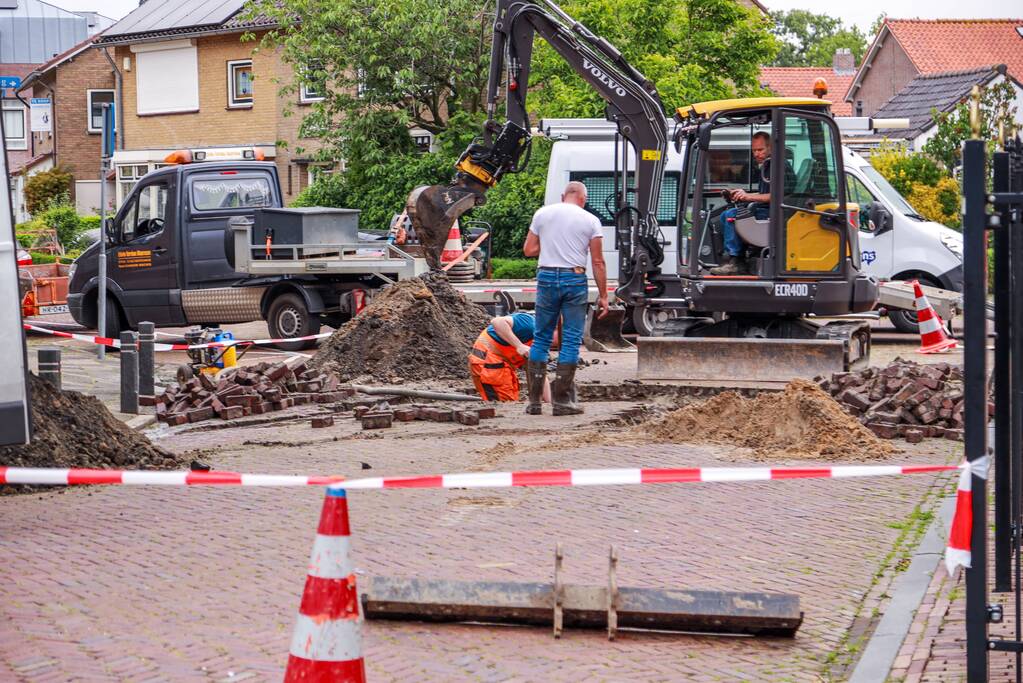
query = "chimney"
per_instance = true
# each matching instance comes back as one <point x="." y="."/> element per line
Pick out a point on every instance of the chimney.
<point x="843" y="62"/>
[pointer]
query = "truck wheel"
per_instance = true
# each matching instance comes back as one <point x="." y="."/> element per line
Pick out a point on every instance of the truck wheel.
<point x="643" y="320"/>
<point x="289" y="317"/>
<point x="905" y="320"/>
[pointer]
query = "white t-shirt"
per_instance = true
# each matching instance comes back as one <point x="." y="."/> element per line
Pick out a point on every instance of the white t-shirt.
<point x="565" y="231"/>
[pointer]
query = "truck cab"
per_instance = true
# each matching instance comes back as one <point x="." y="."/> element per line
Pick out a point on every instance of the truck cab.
<point x="166" y="261"/>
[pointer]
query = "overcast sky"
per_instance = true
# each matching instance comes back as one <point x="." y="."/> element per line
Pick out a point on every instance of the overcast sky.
<point x="861" y="12"/>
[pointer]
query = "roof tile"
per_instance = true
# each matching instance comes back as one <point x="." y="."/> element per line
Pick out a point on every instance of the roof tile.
<point x="941" y="45"/>
<point x="940" y="91"/>
<point x="797" y="81"/>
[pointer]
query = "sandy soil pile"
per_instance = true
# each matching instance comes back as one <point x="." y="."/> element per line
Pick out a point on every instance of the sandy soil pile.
<point x="418" y="329"/>
<point x="74" y="430"/>
<point x="803" y="421"/>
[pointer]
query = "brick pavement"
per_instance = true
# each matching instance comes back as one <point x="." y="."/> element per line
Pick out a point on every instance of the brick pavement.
<point x="188" y="584"/>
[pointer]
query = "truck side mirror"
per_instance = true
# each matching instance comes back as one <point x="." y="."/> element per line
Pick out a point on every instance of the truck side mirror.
<point x="109" y="230"/>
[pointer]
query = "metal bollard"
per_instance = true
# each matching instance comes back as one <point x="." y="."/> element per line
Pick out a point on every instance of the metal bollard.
<point x="129" y="373"/>
<point x="147" y="360"/>
<point x="49" y="364"/>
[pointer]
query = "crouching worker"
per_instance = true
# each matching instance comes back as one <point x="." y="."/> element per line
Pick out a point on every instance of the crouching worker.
<point x="498" y="354"/>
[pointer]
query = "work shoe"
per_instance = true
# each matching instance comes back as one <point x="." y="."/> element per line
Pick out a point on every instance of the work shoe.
<point x="733" y="265"/>
<point x="536" y="375"/>
<point x="563" y="391"/>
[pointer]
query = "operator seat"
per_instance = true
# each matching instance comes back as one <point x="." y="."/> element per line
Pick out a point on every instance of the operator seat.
<point x="756" y="233"/>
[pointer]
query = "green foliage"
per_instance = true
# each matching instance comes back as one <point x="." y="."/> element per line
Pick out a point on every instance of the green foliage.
<point x="42" y="257"/>
<point x="953" y="127"/>
<point x="922" y="181"/>
<point x="692" y="50"/>
<point x="89" y="222"/>
<point x="510" y="206"/>
<point x="809" y="39"/>
<point x="25" y="239"/>
<point x="939" y="202"/>
<point x="62" y="218"/>
<point x="514" y="268"/>
<point x="47" y="187"/>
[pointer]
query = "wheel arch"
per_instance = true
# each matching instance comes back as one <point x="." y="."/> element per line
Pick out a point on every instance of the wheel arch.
<point x="312" y="298"/>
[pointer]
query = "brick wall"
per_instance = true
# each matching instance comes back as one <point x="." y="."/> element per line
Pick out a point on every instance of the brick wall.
<point x="889" y="73"/>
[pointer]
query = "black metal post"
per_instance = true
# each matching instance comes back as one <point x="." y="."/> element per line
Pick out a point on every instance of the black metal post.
<point x="147" y="360"/>
<point x="1005" y="525"/>
<point x="129" y="373"/>
<point x="974" y="372"/>
<point x="49" y="364"/>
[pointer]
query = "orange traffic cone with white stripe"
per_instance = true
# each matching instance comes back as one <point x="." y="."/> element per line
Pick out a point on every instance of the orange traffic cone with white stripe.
<point x="932" y="332"/>
<point x="327" y="645"/>
<point x="453" y="246"/>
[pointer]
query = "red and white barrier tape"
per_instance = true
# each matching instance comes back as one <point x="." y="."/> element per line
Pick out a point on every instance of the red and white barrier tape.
<point x="958" y="552"/>
<point x="107" y="341"/>
<point x="605" y="477"/>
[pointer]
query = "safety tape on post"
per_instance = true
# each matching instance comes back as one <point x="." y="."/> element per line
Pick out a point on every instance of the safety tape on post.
<point x="468" y="480"/>
<point x="107" y="341"/>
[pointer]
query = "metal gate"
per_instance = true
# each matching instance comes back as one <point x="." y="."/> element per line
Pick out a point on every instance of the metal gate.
<point x="998" y="212"/>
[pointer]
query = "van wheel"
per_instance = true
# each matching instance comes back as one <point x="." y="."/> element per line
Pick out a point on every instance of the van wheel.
<point x="905" y="320"/>
<point x="114" y="323"/>
<point x="289" y="317"/>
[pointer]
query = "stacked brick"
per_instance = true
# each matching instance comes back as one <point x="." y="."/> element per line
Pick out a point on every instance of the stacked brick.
<point x="382" y="415"/>
<point x="904" y="399"/>
<point x="252" y="390"/>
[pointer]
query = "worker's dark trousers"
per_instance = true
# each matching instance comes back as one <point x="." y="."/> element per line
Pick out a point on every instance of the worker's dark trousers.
<point x="559" y="293"/>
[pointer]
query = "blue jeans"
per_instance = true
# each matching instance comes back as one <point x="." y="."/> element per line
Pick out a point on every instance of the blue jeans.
<point x="559" y="294"/>
<point x="733" y="243"/>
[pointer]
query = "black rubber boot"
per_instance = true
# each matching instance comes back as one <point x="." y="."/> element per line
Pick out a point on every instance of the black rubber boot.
<point x="733" y="265"/>
<point x="563" y="391"/>
<point x="536" y="375"/>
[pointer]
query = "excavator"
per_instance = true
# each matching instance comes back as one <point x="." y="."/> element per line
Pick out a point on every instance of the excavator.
<point x="800" y="247"/>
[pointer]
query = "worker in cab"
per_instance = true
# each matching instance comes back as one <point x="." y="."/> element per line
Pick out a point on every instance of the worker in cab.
<point x="498" y="354"/>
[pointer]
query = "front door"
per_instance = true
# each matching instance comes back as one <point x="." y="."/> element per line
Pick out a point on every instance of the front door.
<point x="877" y="245"/>
<point x="143" y="262"/>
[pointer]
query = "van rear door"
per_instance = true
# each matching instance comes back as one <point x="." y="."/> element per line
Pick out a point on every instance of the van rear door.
<point x="211" y="199"/>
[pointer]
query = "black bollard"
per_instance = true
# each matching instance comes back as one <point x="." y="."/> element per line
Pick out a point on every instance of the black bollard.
<point x="147" y="360"/>
<point x="129" y="373"/>
<point x="49" y="364"/>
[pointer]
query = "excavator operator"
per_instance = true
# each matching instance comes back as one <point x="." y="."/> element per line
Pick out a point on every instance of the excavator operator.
<point x="735" y="261"/>
<point x="498" y="354"/>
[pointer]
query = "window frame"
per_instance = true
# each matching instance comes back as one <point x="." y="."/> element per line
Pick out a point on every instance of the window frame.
<point x="195" y="210"/>
<point x="305" y="97"/>
<point x="233" y="100"/>
<point x="88" y="108"/>
<point x="16" y="144"/>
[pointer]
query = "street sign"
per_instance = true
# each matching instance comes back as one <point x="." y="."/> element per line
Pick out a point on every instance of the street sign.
<point x="42" y="115"/>
<point x="14" y="404"/>
<point x="12" y="82"/>
<point x="109" y="131"/>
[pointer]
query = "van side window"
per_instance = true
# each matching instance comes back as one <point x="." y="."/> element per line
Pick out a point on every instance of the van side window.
<point x="600" y="190"/>
<point x="147" y="212"/>
<point x="230" y="192"/>
<point x="859" y="193"/>
<point x="126" y="228"/>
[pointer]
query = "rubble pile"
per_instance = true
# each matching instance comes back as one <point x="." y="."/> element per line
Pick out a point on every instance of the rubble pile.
<point x="800" y="422"/>
<point x="418" y="329"/>
<point x="70" y="429"/>
<point x="904" y="399"/>
<point x="252" y="390"/>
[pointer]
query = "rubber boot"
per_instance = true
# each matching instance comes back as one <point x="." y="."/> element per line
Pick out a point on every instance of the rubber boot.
<point x="563" y="391"/>
<point x="536" y="375"/>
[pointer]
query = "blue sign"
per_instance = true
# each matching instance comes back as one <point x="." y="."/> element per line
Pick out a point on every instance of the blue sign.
<point x="109" y="130"/>
<point x="13" y="82"/>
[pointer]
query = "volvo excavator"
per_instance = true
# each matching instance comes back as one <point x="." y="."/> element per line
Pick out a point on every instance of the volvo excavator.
<point x="800" y="246"/>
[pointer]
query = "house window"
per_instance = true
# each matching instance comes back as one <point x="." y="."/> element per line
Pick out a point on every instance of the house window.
<point x="97" y="98"/>
<point x="312" y="89"/>
<point x="239" y="83"/>
<point x="15" y="136"/>
<point x="167" y="77"/>
<point x="422" y="142"/>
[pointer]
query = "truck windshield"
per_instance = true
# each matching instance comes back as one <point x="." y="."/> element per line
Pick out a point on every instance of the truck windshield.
<point x="897" y="201"/>
<point x="230" y="192"/>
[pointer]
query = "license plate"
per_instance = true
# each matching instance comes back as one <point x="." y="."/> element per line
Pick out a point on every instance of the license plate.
<point x="47" y="310"/>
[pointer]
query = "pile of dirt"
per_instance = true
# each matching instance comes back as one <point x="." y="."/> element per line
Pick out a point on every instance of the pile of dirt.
<point x="74" y="430"/>
<point x="802" y="421"/>
<point x="419" y="329"/>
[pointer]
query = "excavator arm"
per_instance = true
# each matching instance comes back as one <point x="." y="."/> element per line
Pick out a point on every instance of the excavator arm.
<point x="632" y="103"/>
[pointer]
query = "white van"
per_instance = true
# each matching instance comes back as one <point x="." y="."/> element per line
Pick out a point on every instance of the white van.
<point x="904" y="245"/>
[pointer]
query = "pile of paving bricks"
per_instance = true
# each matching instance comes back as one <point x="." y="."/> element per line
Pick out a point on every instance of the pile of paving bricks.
<point x="251" y="390"/>
<point x="904" y="399"/>
<point x="382" y="415"/>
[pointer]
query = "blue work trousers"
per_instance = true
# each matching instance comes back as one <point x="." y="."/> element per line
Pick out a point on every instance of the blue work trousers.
<point x="733" y="243"/>
<point x="559" y="294"/>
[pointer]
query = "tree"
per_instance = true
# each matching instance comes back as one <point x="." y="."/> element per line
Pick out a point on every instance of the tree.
<point x="953" y="127"/>
<point x="692" y="50"/>
<point x="46" y="187"/>
<point x="809" y="39"/>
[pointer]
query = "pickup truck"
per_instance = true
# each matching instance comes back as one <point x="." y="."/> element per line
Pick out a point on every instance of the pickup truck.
<point x="170" y="253"/>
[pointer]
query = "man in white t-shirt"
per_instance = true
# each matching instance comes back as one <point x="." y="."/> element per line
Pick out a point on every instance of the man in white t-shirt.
<point x="562" y="235"/>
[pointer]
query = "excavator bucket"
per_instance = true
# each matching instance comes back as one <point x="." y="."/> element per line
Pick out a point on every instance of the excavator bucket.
<point x="604" y="335"/>
<point x="433" y="209"/>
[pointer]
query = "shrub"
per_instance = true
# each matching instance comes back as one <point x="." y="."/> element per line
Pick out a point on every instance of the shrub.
<point x="42" y="257"/>
<point x="903" y="169"/>
<point x="939" y="203"/>
<point x="514" y="268"/>
<point x="62" y="218"/>
<point x="47" y="187"/>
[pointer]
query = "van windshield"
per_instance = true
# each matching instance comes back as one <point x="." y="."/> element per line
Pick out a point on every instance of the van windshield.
<point x="230" y="192"/>
<point x="896" y="200"/>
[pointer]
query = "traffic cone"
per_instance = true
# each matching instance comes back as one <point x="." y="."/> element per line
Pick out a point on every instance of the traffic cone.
<point x="327" y="645"/>
<point x="453" y="246"/>
<point x="932" y="332"/>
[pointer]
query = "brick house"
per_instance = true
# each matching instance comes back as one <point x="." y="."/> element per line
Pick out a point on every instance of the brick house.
<point x="907" y="48"/>
<point x="798" y="81"/>
<point x="78" y="82"/>
<point x="190" y="82"/>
